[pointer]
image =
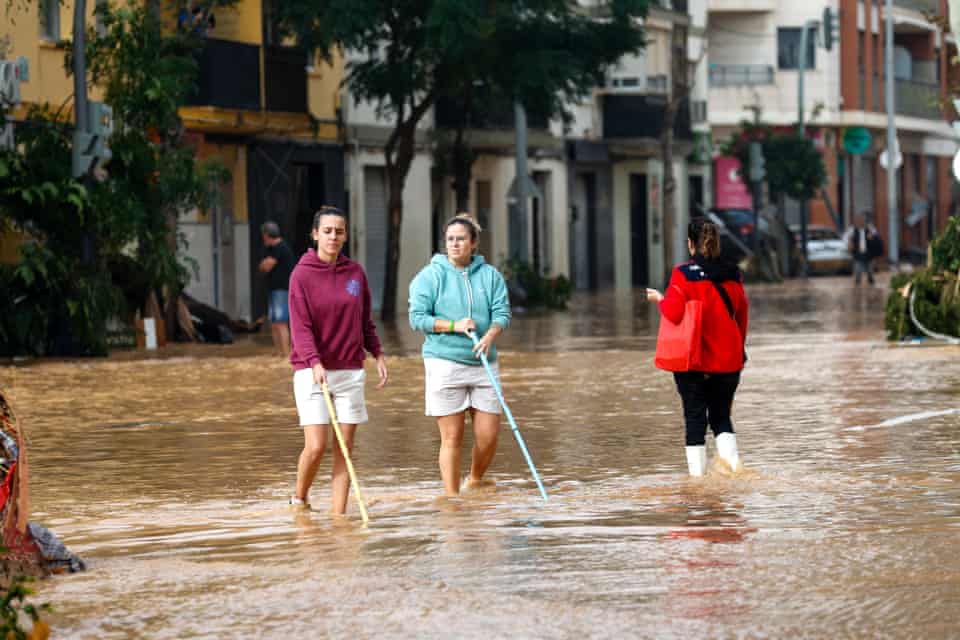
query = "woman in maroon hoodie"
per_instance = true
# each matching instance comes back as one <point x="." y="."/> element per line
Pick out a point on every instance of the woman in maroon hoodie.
<point x="331" y="328"/>
<point x="707" y="394"/>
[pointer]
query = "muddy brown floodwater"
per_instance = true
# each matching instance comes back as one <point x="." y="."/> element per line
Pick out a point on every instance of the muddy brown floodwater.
<point x="169" y="476"/>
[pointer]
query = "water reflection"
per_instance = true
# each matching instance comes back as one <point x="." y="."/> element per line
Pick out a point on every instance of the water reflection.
<point x="169" y="475"/>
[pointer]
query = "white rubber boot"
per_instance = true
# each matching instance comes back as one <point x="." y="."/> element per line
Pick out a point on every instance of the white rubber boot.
<point x="727" y="450"/>
<point x="697" y="460"/>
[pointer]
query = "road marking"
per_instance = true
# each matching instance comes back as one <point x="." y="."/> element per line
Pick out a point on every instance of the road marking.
<point x="913" y="417"/>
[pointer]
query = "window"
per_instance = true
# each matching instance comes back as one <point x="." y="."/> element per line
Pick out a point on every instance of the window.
<point x="50" y="20"/>
<point x="788" y="48"/>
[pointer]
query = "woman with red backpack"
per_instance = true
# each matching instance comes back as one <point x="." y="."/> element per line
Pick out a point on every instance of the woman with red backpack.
<point x="707" y="389"/>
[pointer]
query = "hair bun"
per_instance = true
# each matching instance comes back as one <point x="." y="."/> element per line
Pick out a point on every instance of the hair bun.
<point x="464" y="216"/>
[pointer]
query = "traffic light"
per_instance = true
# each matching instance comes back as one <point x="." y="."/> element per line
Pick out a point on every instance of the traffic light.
<point x="90" y="147"/>
<point x="758" y="164"/>
<point x="831" y="30"/>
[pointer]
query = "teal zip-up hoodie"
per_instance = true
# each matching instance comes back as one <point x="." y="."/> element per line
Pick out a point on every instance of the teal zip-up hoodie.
<point x="443" y="291"/>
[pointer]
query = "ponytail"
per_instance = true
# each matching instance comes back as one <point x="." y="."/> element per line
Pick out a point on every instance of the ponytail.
<point x="705" y="237"/>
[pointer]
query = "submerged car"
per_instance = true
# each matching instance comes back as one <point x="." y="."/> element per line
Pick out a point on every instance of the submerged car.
<point x="826" y="250"/>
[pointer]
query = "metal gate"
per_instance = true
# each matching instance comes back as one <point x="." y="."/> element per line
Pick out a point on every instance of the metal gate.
<point x="375" y="199"/>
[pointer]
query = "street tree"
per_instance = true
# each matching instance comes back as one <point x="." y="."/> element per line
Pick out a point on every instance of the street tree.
<point x="62" y="292"/>
<point x="547" y="57"/>
<point x="404" y="54"/>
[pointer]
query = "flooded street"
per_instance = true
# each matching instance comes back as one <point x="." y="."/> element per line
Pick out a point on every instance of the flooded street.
<point x="169" y="476"/>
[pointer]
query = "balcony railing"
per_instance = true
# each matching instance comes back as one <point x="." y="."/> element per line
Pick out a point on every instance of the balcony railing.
<point x="740" y="75"/>
<point x="488" y="112"/>
<point x="924" y="6"/>
<point x="918" y="99"/>
<point x="285" y="79"/>
<point x="641" y="116"/>
<point x="229" y="75"/>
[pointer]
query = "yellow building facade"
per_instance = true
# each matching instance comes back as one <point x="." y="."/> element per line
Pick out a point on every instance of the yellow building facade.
<point x="266" y="109"/>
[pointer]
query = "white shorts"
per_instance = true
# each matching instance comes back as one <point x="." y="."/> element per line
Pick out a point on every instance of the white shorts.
<point x="346" y="391"/>
<point x="452" y="387"/>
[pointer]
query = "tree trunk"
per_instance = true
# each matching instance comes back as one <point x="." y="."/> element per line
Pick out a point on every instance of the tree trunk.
<point x="398" y="154"/>
<point x="679" y="92"/>
<point x="669" y="186"/>
<point x="462" y="155"/>
<point x="462" y="172"/>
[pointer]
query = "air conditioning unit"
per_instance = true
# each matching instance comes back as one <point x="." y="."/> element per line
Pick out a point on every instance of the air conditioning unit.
<point x="626" y="83"/>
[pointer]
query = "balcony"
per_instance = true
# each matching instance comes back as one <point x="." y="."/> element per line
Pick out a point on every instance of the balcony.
<point x="918" y="100"/>
<point x="488" y="112"/>
<point x="741" y="6"/>
<point x="285" y="79"/>
<point x="229" y="75"/>
<point x="740" y="75"/>
<point x="923" y="6"/>
<point x="641" y="116"/>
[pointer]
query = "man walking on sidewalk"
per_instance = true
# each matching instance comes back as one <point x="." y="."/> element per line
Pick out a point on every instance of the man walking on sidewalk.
<point x="864" y="243"/>
<point x="278" y="264"/>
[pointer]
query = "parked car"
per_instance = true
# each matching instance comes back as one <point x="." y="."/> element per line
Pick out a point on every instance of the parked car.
<point x="826" y="250"/>
<point x="737" y="232"/>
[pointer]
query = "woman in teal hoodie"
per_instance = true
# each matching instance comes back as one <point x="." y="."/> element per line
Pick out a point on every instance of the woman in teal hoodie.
<point x="455" y="294"/>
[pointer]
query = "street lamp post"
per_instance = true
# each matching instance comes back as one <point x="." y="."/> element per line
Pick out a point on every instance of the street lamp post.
<point x="893" y="223"/>
<point x="802" y="130"/>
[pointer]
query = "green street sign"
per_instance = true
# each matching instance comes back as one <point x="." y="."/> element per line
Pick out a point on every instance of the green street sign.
<point x="856" y="140"/>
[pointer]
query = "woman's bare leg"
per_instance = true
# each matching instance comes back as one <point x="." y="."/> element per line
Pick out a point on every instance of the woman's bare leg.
<point x="314" y="444"/>
<point x="486" y="430"/>
<point x="340" y="478"/>
<point x="451" y="439"/>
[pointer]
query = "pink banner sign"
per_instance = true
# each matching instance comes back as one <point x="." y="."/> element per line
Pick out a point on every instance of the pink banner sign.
<point x="732" y="192"/>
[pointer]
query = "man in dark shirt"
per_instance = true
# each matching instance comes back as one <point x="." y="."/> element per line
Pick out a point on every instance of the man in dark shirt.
<point x="278" y="265"/>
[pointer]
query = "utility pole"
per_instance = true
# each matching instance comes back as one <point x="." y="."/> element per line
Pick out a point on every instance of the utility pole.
<point x="82" y="128"/>
<point x="802" y="130"/>
<point x="893" y="228"/>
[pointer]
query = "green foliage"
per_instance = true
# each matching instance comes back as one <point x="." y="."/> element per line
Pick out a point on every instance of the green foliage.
<point x="945" y="248"/>
<point x="794" y="166"/>
<point x="56" y="298"/>
<point x="408" y="53"/>
<point x="937" y="290"/>
<point x="937" y="304"/>
<point x="553" y="293"/>
<point x="14" y="606"/>
<point x="96" y="248"/>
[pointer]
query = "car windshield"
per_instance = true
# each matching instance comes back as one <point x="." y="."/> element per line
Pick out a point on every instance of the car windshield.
<point x="735" y="216"/>
<point x="823" y="234"/>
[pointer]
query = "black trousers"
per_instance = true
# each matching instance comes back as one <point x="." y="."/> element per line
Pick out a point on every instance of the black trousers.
<point x="707" y="398"/>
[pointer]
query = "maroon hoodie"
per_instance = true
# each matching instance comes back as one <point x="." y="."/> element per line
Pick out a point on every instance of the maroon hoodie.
<point x="331" y="322"/>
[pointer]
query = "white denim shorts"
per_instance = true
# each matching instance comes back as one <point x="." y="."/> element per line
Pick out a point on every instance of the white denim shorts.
<point x="346" y="390"/>
<point x="452" y="387"/>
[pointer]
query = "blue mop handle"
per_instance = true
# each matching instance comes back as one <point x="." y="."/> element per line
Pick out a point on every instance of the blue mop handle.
<point x="506" y="410"/>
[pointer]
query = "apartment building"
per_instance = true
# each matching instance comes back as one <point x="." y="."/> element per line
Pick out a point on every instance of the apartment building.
<point x="754" y="60"/>
<point x="615" y="161"/>
<point x="265" y="109"/>
<point x="269" y="111"/>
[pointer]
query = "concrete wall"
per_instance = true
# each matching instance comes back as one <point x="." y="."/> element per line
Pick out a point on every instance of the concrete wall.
<point x="415" y="238"/>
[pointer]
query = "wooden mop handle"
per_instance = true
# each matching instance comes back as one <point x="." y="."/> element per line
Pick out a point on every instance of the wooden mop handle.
<point x="346" y="453"/>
